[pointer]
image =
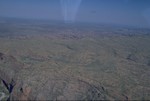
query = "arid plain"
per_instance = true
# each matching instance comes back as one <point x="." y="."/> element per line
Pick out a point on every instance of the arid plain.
<point x="55" y="61"/>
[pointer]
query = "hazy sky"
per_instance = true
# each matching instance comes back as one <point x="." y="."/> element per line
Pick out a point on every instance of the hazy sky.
<point x="126" y="12"/>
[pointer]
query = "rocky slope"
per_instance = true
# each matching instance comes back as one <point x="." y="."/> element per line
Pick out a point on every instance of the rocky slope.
<point x="45" y="83"/>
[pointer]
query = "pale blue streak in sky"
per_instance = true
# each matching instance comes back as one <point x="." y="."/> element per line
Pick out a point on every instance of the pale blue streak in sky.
<point x="124" y="12"/>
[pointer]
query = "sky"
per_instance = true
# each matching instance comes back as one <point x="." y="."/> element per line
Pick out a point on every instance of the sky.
<point x="123" y="12"/>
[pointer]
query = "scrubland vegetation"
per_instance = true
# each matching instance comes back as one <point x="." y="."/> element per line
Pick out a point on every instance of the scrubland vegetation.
<point x="42" y="61"/>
